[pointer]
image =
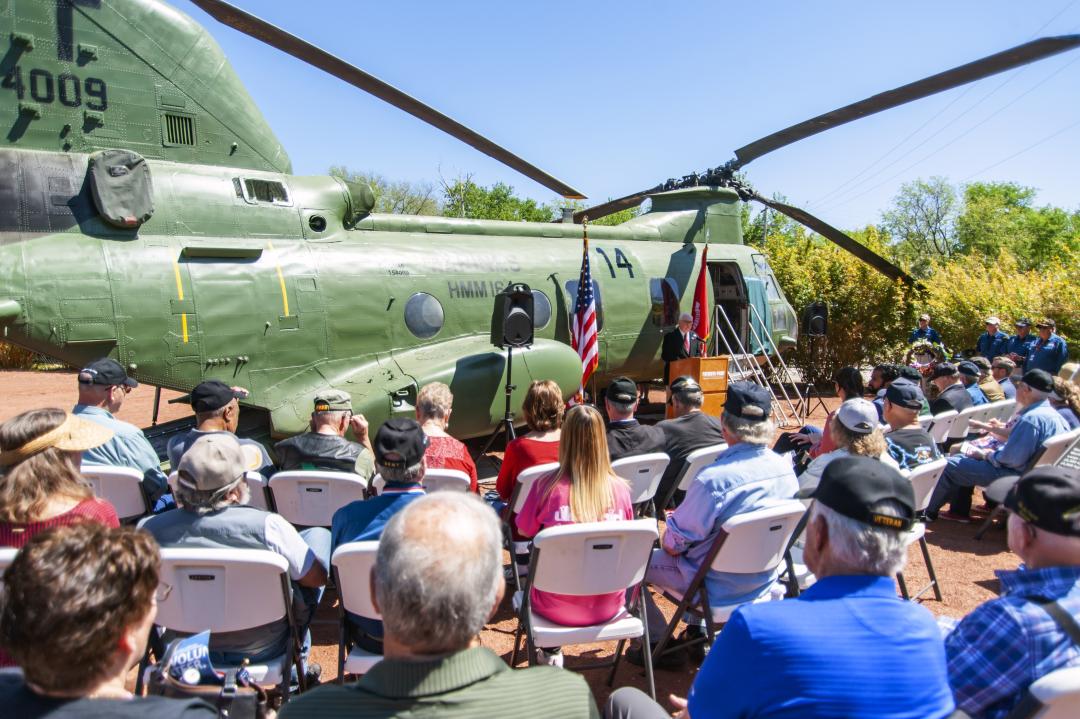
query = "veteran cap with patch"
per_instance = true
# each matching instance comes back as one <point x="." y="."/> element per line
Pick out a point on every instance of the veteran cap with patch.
<point x="400" y="443"/>
<point x="853" y="485"/>
<point x="332" y="400"/>
<point x="1048" y="498"/>
<point x="623" y="390"/>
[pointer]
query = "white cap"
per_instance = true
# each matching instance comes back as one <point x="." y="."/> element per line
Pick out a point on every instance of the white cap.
<point x="992" y="320"/>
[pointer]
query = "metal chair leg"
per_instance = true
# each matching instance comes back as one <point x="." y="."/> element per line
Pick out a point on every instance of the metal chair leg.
<point x="989" y="521"/>
<point x="615" y="665"/>
<point x="930" y="568"/>
<point x="903" y="585"/>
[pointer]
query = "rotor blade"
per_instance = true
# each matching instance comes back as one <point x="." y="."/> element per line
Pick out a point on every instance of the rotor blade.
<point x="612" y="206"/>
<point x="259" y="29"/>
<point x="962" y="75"/>
<point x="826" y="230"/>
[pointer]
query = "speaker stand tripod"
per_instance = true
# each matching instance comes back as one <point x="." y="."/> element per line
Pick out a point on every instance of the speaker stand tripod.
<point x="812" y="393"/>
<point x="506" y="426"/>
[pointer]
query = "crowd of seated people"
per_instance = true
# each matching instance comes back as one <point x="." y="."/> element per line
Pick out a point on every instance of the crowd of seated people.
<point x="847" y="646"/>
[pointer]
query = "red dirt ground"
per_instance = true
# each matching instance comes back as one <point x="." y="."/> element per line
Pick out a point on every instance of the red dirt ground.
<point x="964" y="566"/>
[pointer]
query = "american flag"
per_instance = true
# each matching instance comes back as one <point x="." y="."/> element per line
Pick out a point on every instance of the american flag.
<point x="583" y="327"/>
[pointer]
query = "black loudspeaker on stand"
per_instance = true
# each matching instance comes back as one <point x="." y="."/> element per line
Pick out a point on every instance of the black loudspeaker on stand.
<point x="511" y="326"/>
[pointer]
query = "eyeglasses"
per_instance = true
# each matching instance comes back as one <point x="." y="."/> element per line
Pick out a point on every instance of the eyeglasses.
<point x="163" y="592"/>
<point x="127" y="390"/>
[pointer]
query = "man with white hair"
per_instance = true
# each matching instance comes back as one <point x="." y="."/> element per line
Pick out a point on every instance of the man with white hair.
<point x="847" y="646"/>
<point x="993" y="341"/>
<point x="1038" y="422"/>
<point x="212" y="495"/>
<point x="680" y="343"/>
<point x="325" y="446"/>
<point x="690" y="429"/>
<point x="626" y="436"/>
<point x="437" y="580"/>
<point x="745" y="477"/>
<point x="997" y="651"/>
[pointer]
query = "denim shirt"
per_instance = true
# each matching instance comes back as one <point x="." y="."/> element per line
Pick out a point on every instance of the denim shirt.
<point x="929" y="334"/>
<point x="127" y="448"/>
<point x="745" y="477"/>
<point x="1047" y="355"/>
<point x="1020" y="345"/>
<point x="1004" y="645"/>
<point x="992" y="346"/>
<point x="1037" y="423"/>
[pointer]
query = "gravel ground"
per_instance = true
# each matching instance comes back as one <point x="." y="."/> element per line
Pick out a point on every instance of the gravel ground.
<point x="964" y="566"/>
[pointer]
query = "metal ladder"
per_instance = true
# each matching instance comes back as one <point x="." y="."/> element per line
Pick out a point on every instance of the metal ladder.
<point x="753" y="369"/>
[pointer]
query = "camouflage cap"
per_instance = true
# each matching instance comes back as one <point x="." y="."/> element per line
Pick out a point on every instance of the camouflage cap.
<point x="332" y="400"/>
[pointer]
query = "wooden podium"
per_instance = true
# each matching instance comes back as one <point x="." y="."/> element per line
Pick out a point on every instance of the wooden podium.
<point x="709" y="372"/>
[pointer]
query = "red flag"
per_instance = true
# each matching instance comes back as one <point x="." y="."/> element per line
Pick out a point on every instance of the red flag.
<point x="583" y="327"/>
<point x="700" y="311"/>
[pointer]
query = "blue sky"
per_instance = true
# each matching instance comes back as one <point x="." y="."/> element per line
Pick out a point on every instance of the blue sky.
<point x="613" y="97"/>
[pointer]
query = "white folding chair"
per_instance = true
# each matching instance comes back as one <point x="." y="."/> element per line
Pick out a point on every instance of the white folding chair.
<point x="7" y="556"/>
<point x="584" y="560"/>
<point x="439" y="479"/>
<point x="923" y="480"/>
<point x="748" y="543"/>
<point x="351" y="566"/>
<point x="309" y="498"/>
<point x="1052" y="696"/>
<point x="925" y="420"/>
<point x="120" y="486"/>
<point x="643" y="474"/>
<point x="1005" y="409"/>
<point x="696" y="461"/>
<point x="942" y="425"/>
<point x="522" y="485"/>
<point x="1055" y="447"/>
<point x="256" y="485"/>
<point x="959" y="427"/>
<point x="229" y="590"/>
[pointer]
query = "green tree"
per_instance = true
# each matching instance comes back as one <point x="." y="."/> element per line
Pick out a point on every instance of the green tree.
<point x="922" y="223"/>
<point x="464" y="198"/>
<point x="398" y="197"/>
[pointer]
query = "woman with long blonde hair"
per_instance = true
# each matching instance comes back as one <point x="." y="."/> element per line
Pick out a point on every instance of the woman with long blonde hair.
<point x="40" y="484"/>
<point x="584" y="489"/>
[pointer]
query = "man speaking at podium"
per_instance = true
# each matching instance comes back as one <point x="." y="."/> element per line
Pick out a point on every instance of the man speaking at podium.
<point x="680" y="343"/>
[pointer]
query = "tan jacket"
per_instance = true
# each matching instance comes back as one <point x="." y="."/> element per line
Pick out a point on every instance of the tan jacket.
<point x="991" y="389"/>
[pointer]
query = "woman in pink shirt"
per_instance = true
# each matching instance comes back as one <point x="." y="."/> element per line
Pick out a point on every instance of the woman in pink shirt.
<point x="585" y="489"/>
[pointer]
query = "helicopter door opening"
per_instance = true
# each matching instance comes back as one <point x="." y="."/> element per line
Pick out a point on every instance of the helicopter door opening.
<point x="729" y="295"/>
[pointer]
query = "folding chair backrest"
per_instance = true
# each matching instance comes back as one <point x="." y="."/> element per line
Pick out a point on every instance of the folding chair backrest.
<point x="926" y="420"/>
<point x="120" y="486"/>
<point x="353" y="562"/>
<point x="593" y="557"/>
<point x="223" y="590"/>
<point x="525" y="480"/>
<point x="256" y="484"/>
<point x="1059" y="694"/>
<point x="7" y="556"/>
<point x="756" y="541"/>
<point x="923" y="480"/>
<point x="642" y="473"/>
<point x="310" y="497"/>
<point x="698" y="460"/>
<point x="1005" y="410"/>
<point x="1055" y="447"/>
<point x="943" y="422"/>
<point x="959" y="428"/>
<point x="439" y="479"/>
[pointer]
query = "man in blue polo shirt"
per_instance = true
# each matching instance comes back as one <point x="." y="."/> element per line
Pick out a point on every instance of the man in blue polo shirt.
<point x="1049" y="351"/>
<point x="399" y="459"/>
<point x="847" y="646"/>
<point x="924" y="332"/>
<point x="992" y="342"/>
<point x="1019" y="344"/>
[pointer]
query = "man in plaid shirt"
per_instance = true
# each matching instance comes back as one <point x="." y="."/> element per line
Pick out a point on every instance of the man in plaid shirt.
<point x="997" y="651"/>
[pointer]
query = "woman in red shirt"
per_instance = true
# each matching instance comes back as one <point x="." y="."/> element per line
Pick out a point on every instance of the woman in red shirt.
<point x="40" y="452"/>
<point x="543" y="409"/>
<point x="434" y="403"/>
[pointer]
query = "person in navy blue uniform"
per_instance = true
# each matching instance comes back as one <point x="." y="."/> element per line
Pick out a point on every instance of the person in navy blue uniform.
<point x="1019" y="345"/>
<point x="993" y="341"/>
<point x="1049" y="351"/>
<point x="924" y="332"/>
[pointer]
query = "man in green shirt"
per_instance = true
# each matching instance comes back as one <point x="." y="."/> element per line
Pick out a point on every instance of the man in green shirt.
<point x="437" y="580"/>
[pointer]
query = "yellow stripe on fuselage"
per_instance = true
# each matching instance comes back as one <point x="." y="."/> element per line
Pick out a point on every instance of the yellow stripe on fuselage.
<point x="281" y="281"/>
<point x="180" y="296"/>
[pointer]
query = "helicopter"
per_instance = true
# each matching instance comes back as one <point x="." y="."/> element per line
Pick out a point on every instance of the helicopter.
<point x="149" y="213"/>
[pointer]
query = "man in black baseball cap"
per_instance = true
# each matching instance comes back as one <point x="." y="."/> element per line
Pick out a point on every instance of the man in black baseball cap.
<point x="399" y="449"/>
<point x="217" y="410"/>
<point x="907" y="442"/>
<point x="626" y="436"/>
<point x="829" y="640"/>
<point x="951" y="393"/>
<point x="998" y="650"/>
<point x="103" y="386"/>
<point x="1037" y="422"/>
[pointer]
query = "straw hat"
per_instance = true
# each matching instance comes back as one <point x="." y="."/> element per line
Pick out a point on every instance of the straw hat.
<point x="74" y="434"/>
